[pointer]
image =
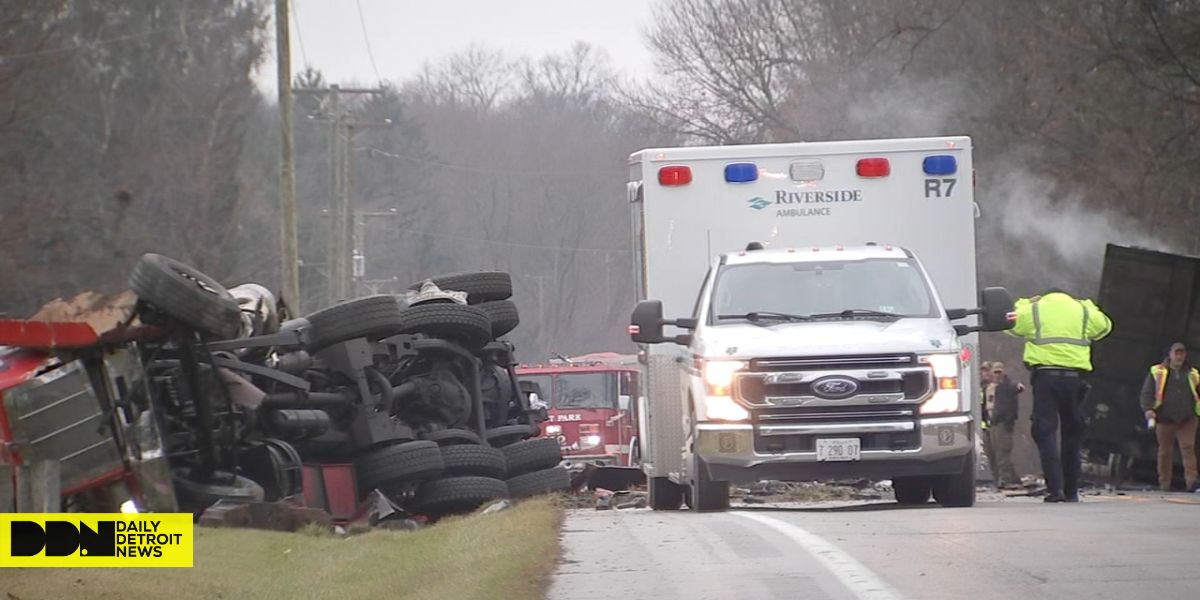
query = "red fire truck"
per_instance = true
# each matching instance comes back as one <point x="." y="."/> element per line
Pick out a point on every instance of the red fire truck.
<point x="592" y="405"/>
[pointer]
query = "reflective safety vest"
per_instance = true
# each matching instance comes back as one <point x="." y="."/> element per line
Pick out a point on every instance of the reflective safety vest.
<point x="1059" y="330"/>
<point x="1161" y="373"/>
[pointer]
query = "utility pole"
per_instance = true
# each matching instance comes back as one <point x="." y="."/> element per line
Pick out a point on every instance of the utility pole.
<point x="340" y="258"/>
<point x="289" y="272"/>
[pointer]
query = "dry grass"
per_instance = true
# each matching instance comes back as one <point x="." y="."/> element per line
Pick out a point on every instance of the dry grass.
<point x="506" y="555"/>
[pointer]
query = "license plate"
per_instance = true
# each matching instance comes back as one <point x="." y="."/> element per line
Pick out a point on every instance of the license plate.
<point x="838" y="450"/>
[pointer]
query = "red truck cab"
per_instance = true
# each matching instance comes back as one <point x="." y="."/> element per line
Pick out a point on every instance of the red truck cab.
<point x="592" y="407"/>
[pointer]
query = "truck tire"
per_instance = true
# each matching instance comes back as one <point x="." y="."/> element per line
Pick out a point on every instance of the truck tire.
<point x="195" y="496"/>
<point x="399" y="463"/>
<point x="912" y="490"/>
<point x="372" y="317"/>
<point x="506" y="435"/>
<point x="485" y="286"/>
<point x="957" y="490"/>
<point x="665" y="494"/>
<point x="503" y="315"/>
<point x="186" y="295"/>
<point x="450" y="437"/>
<point x="545" y="481"/>
<point x="473" y="459"/>
<point x="532" y="455"/>
<point x="706" y="495"/>
<point x="466" y="325"/>
<point x="456" y="495"/>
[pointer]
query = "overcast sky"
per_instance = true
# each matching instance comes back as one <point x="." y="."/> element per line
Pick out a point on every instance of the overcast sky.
<point x="403" y="34"/>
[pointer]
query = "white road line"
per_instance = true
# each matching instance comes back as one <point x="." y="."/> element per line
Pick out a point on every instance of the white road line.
<point x="858" y="579"/>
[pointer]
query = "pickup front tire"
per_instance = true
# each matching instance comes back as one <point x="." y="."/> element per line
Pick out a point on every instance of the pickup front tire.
<point x="912" y="490"/>
<point x="665" y="494"/>
<point x="957" y="490"/>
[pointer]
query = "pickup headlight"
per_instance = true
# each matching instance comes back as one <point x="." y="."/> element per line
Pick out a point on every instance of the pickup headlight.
<point x="718" y="375"/>
<point x="723" y="408"/>
<point x="948" y="397"/>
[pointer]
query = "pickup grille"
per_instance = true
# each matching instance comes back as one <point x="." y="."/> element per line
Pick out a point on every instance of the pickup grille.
<point x="842" y="415"/>
<point x="831" y="414"/>
<point x="909" y="440"/>
<point x="833" y="363"/>
<point x="912" y="385"/>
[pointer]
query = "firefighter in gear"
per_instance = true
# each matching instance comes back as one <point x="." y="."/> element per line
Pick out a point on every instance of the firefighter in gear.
<point x="1058" y="331"/>
<point x="1171" y="401"/>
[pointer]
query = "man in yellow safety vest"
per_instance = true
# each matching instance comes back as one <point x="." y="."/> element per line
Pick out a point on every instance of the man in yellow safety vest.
<point x="1172" y="403"/>
<point x="1059" y="331"/>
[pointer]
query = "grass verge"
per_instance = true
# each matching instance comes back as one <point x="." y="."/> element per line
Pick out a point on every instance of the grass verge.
<point x="511" y="554"/>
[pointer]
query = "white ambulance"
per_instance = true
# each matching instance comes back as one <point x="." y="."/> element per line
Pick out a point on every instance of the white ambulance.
<point x="812" y="288"/>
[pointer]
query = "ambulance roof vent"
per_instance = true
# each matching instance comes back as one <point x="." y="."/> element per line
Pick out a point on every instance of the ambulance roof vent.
<point x="752" y="246"/>
<point x="872" y="244"/>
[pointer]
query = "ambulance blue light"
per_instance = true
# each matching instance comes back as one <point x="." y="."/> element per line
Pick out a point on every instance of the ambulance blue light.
<point x="942" y="164"/>
<point x="741" y="172"/>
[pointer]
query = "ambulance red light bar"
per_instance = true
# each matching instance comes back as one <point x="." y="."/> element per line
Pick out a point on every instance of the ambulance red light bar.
<point x="675" y="175"/>
<point x="874" y="167"/>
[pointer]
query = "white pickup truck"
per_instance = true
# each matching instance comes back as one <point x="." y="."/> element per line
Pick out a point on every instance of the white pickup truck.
<point x="830" y="355"/>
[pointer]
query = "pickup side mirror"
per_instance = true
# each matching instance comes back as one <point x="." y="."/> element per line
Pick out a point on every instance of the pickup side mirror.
<point x="646" y="325"/>
<point x="997" y="307"/>
<point x="995" y="312"/>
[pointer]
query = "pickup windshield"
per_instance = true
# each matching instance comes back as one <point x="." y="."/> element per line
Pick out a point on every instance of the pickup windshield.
<point x="863" y="289"/>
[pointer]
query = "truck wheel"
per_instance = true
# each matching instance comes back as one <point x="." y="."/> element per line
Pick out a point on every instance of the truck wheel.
<point x="372" y="317"/>
<point x="957" y="490"/>
<point x="507" y="435"/>
<point x="186" y="295"/>
<point x="707" y="495"/>
<point x="532" y="455"/>
<point x="466" y="325"/>
<point x="485" y="286"/>
<point x="665" y="494"/>
<point x="195" y="496"/>
<point x="456" y="494"/>
<point x="473" y="459"/>
<point x="504" y="316"/>
<point x="450" y="437"/>
<point x="399" y="463"/>
<point x="546" y="481"/>
<point x="912" y="490"/>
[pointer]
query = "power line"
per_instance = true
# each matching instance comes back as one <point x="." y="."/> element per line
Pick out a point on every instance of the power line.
<point x="299" y="31"/>
<point x="367" y="40"/>
<point x="513" y="244"/>
<point x="469" y="169"/>
<point x="87" y="45"/>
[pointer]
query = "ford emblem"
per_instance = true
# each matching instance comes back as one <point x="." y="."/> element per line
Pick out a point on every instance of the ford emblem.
<point x="835" y="388"/>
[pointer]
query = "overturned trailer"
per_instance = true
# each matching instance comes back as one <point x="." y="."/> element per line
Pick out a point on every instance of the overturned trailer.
<point x="1153" y="299"/>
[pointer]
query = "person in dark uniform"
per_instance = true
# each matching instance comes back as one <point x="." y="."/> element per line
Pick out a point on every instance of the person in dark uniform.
<point x="1058" y="331"/>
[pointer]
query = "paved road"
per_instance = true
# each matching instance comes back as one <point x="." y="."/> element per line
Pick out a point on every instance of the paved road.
<point x="1120" y="547"/>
